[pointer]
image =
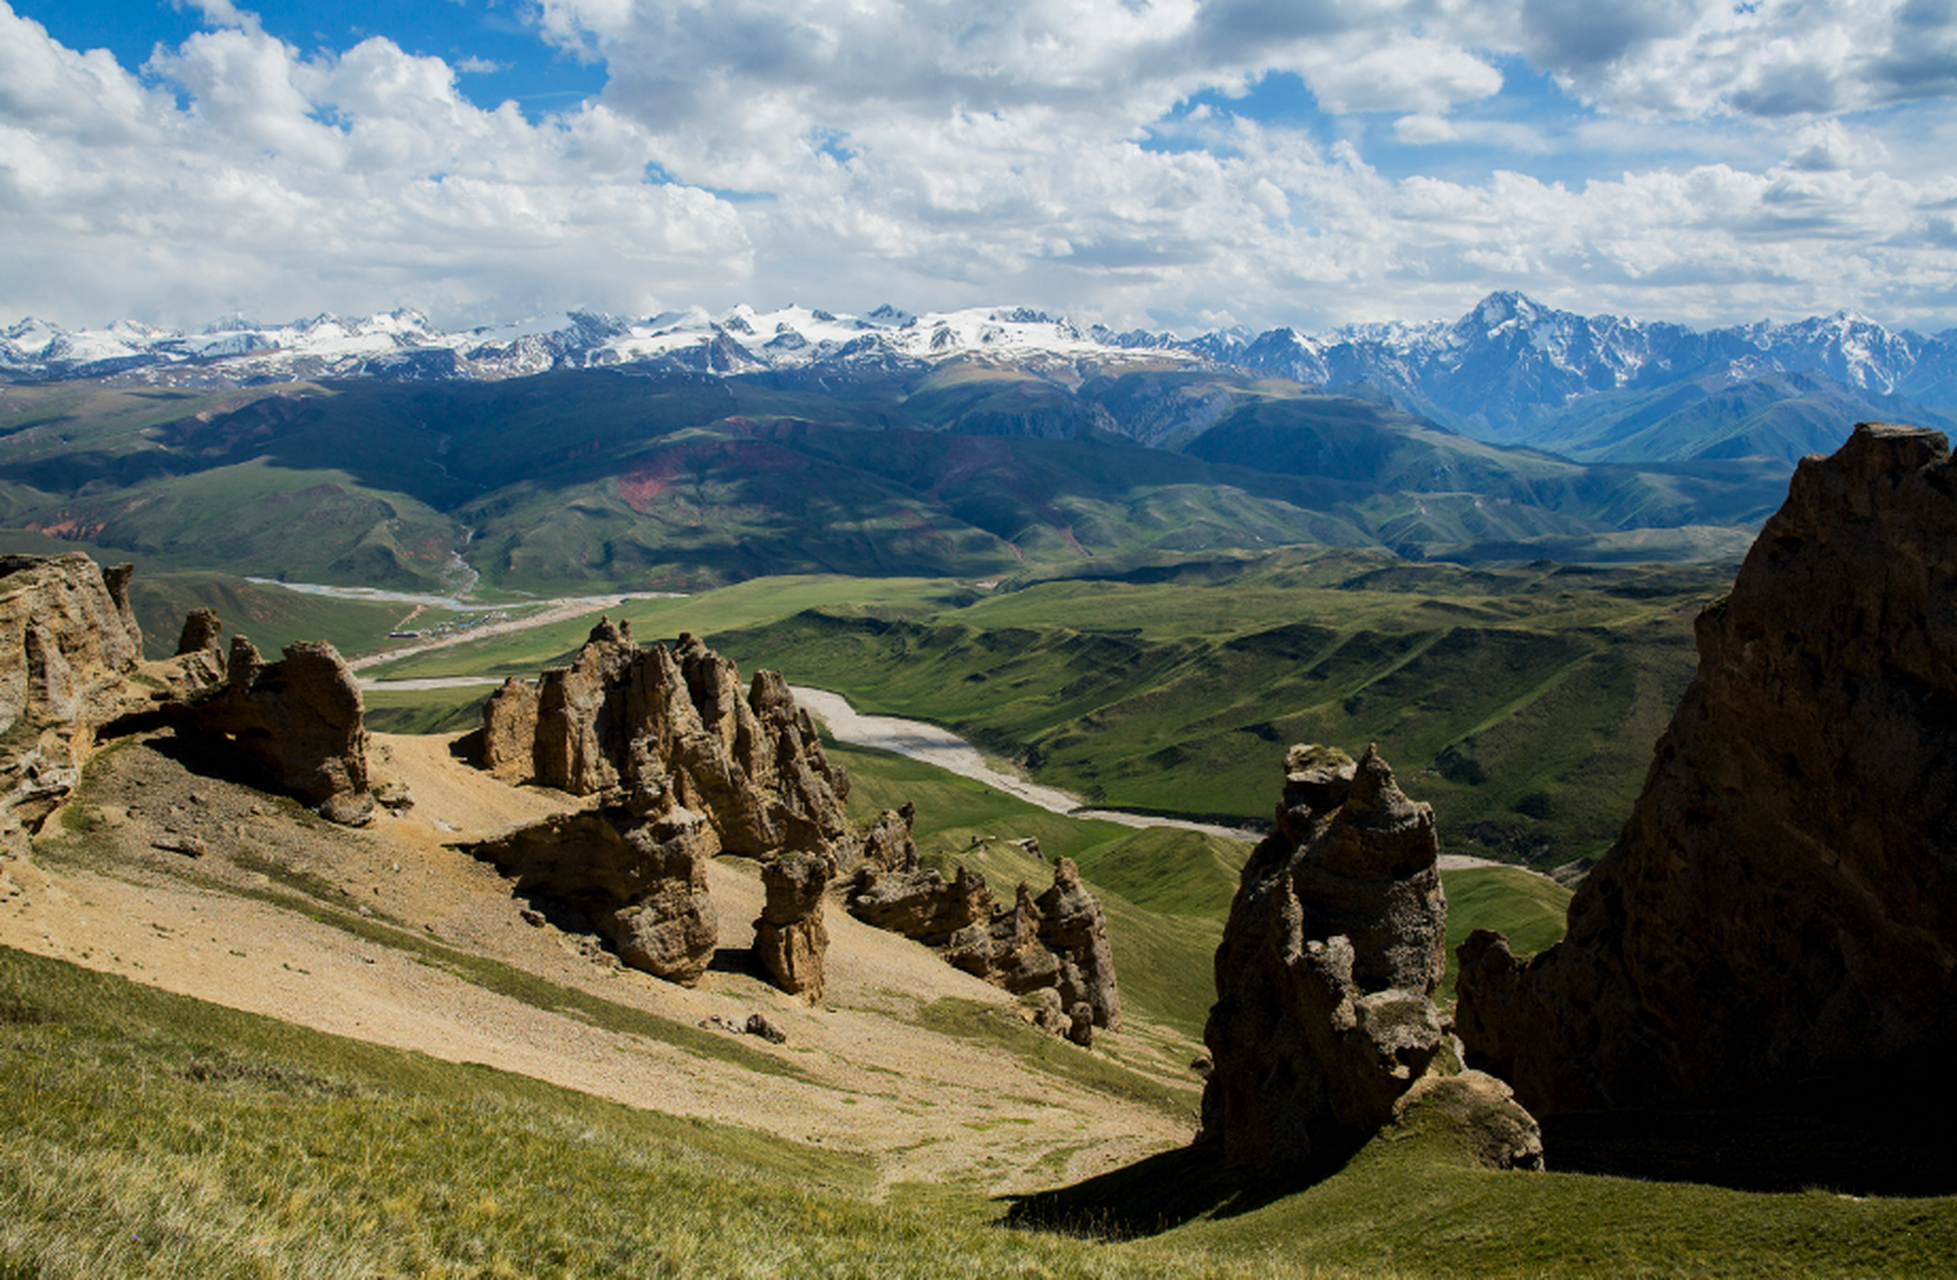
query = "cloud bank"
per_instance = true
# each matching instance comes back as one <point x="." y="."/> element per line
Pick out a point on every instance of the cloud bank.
<point x="1117" y="159"/>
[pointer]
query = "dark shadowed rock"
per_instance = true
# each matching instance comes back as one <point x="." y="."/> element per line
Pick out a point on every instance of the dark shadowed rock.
<point x="789" y="938"/>
<point x="1784" y="894"/>
<point x="1328" y="963"/>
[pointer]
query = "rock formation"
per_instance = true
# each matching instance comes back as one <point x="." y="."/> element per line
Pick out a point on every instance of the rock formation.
<point x="509" y="731"/>
<point x="637" y="864"/>
<point x="1324" y="1014"/>
<point x="298" y="722"/>
<point x="201" y="628"/>
<point x="1072" y="928"/>
<point x="68" y="648"/>
<point x="1495" y="1131"/>
<point x="1057" y="941"/>
<point x="789" y="938"/>
<point x="71" y="666"/>
<point x="751" y="765"/>
<point x="887" y="844"/>
<point x="1784" y="894"/>
<point x="748" y="767"/>
<point x="923" y="905"/>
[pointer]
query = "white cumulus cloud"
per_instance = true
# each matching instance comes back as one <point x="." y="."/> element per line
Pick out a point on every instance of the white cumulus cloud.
<point x="1713" y="162"/>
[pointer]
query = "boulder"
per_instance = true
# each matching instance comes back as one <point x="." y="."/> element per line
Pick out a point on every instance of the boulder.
<point x="789" y="938"/>
<point x="1047" y="1014"/>
<point x="298" y="722"/>
<point x="1324" y="978"/>
<point x="1783" y="897"/>
<point x="1492" y="1129"/>
<point x="637" y="864"/>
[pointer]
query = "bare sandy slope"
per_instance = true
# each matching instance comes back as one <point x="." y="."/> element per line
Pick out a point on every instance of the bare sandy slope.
<point x="926" y="1106"/>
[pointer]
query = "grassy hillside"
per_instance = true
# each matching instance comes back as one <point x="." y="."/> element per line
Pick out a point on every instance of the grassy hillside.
<point x="661" y="479"/>
<point x="1522" y="703"/>
<point x="271" y="616"/>
<point x="259" y="1148"/>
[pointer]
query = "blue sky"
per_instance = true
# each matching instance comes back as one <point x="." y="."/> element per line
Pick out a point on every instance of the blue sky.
<point x="1166" y="163"/>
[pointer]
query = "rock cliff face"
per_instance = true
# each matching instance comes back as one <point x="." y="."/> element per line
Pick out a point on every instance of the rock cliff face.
<point x="751" y="765"/>
<point x="1057" y="941"/>
<point x="297" y="721"/>
<point x="637" y="865"/>
<point x="71" y="666"/>
<point x="68" y="648"/>
<point x="1324" y="1014"/>
<point x="1784" y="895"/>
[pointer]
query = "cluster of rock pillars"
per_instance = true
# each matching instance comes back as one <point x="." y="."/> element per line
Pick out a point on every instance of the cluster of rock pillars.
<point x="687" y="765"/>
<point x="1781" y="899"/>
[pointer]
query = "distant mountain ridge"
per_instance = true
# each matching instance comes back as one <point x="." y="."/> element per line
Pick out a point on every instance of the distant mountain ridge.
<point x="1514" y="372"/>
<point x="1511" y="371"/>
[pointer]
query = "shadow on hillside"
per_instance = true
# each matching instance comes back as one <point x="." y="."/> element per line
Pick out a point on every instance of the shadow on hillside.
<point x="206" y="755"/>
<point x="1159" y="1194"/>
<point x="1868" y="1129"/>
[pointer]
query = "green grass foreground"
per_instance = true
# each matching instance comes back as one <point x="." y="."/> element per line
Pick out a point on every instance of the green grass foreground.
<point x="148" y="1134"/>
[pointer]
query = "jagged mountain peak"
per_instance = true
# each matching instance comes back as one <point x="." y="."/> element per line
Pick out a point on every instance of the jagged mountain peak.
<point x="1509" y="370"/>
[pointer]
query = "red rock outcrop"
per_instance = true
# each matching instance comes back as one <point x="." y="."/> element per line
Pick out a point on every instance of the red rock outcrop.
<point x="1324" y="979"/>
<point x="1784" y="894"/>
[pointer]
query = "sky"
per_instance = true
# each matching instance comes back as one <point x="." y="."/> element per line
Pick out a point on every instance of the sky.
<point x="1164" y="164"/>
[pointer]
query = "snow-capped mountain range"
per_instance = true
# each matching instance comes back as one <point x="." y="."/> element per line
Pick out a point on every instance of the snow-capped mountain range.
<point x="403" y="344"/>
<point x="1500" y="372"/>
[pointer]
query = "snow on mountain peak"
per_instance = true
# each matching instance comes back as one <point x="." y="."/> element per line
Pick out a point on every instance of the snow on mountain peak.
<point x="1507" y="354"/>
